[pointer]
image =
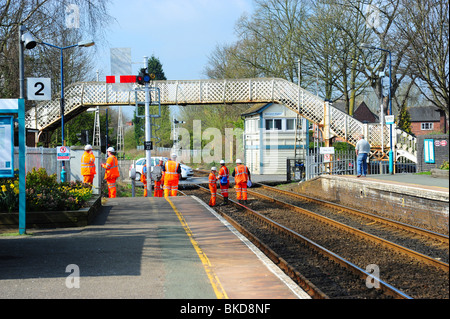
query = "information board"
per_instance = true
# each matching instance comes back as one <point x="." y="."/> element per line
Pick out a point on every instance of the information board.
<point x="6" y="146"/>
<point x="428" y="151"/>
<point x="62" y="153"/>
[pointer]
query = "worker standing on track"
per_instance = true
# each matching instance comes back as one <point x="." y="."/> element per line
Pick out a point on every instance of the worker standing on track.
<point x="241" y="175"/>
<point x="111" y="171"/>
<point x="224" y="181"/>
<point x="213" y="186"/>
<point x="88" y="165"/>
<point x="172" y="173"/>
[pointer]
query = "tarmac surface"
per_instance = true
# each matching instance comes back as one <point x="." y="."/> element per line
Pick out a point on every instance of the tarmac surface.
<point x="141" y="248"/>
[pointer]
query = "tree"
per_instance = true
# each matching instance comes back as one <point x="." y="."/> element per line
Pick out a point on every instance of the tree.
<point x="425" y="24"/>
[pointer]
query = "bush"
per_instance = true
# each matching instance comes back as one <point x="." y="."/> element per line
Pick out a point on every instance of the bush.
<point x="43" y="192"/>
<point x="445" y="165"/>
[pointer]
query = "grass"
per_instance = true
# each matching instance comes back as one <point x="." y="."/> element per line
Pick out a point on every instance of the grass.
<point x="13" y="234"/>
<point x="423" y="173"/>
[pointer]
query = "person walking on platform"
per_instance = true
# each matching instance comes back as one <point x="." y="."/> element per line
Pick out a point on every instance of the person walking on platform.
<point x="224" y="181"/>
<point x="88" y="165"/>
<point x="213" y="186"/>
<point x="241" y="175"/>
<point x="159" y="183"/>
<point x="362" y="150"/>
<point x="111" y="171"/>
<point x="172" y="172"/>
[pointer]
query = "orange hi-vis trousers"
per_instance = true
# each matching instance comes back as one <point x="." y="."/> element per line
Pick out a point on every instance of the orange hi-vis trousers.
<point x="224" y="189"/>
<point x="111" y="187"/>
<point x="88" y="179"/>
<point x="158" y="189"/>
<point x="241" y="190"/>
<point x="213" y="190"/>
<point x="170" y="188"/>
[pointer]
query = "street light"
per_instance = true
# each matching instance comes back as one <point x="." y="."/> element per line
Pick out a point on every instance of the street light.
<point x="391" y="160"/>
<point x="79" y="44"/>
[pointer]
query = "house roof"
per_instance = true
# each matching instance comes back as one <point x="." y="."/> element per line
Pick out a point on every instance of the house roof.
<point x="364" y="114"/>
<point x="424" y="114"/>
<point x="255" y="109"/>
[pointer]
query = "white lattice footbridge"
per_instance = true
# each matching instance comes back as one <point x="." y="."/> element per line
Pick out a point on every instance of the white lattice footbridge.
<point x="82" y="95"/>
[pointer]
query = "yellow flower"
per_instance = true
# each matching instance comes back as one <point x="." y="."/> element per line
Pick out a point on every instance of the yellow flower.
<point x="12" y="186"/>
<point x="4" y="188"/>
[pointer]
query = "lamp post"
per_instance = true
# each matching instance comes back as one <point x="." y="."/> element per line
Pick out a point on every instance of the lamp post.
<point x="79" y="44"/>
<point x="391" y="160"/>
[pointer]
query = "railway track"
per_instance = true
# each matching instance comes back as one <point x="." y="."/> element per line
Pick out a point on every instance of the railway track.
<point x="331" y="262"/>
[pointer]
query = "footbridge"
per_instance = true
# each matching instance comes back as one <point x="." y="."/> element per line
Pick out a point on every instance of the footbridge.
<point x="80" y="96"/>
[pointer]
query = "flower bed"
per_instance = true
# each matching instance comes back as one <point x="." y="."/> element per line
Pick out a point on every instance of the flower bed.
<point x="43" y="193"/>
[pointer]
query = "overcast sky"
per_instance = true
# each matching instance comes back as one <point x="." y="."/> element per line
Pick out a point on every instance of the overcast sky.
<point x="181" y="33"/>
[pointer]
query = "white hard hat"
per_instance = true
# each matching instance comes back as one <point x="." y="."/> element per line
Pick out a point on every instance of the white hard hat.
<point x="88" y="147"/>
<point x="174" y="155"/>
<point x="213" y="168"/>
<point x="110" y="149"/>
<point x="222" y="162"/>
<point x="238" y="161"/>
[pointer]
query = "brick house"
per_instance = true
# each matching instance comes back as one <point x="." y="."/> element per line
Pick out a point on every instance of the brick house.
<point x="426" y="119"/>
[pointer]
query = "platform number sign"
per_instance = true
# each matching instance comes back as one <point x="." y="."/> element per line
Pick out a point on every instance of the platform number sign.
<point x="39" y="89"/>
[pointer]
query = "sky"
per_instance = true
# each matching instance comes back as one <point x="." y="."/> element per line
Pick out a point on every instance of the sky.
<point x="180" y="33"/>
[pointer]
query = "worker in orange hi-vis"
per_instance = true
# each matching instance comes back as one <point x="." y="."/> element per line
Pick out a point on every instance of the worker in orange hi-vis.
<point x="172" y="173"/>
<point x="159" y="183"/>
<point x="111" y="171"/>
<point x="224" y="181"/>
<point x="241" y="175"/>
<point x="213" y="186"/>
<point x="144" y="179"/>
<point x="88" y="165"/>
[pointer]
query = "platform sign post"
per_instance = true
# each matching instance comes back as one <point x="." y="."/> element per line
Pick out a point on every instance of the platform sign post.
<point x="17" y="106"/>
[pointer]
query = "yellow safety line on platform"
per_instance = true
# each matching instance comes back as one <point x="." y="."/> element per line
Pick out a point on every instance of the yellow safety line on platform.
<point x="215" y="282"/>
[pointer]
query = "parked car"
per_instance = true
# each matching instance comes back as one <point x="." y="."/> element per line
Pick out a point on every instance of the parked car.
<point x="186" y="171"/>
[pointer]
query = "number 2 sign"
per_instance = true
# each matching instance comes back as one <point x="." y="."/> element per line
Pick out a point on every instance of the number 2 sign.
<point x="39" y="89"/>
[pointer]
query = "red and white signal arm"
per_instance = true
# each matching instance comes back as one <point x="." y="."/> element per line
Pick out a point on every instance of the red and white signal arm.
<point x="62" y="153"/>
<point x="113" y="79"/>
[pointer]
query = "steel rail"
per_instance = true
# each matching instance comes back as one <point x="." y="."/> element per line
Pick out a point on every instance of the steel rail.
<point x="426" y="259"/>
<point x="386" y="221"/>
<point x="387" y="288"/>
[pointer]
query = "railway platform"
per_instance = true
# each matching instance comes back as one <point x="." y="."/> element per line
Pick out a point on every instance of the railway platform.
<point x="142" y="248"/>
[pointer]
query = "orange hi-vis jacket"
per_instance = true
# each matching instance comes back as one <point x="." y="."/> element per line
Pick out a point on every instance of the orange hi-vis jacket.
<point x="212" y="181"/>
<point x="241" y="174"/>
<point x="223" y="171"/>
<point x="112" y="168"/>
<point x="88" y="164"/>
<point x="171" y="171"/>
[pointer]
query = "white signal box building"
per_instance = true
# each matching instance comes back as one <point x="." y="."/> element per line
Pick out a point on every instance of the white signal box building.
<point x="272" y="134"/>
